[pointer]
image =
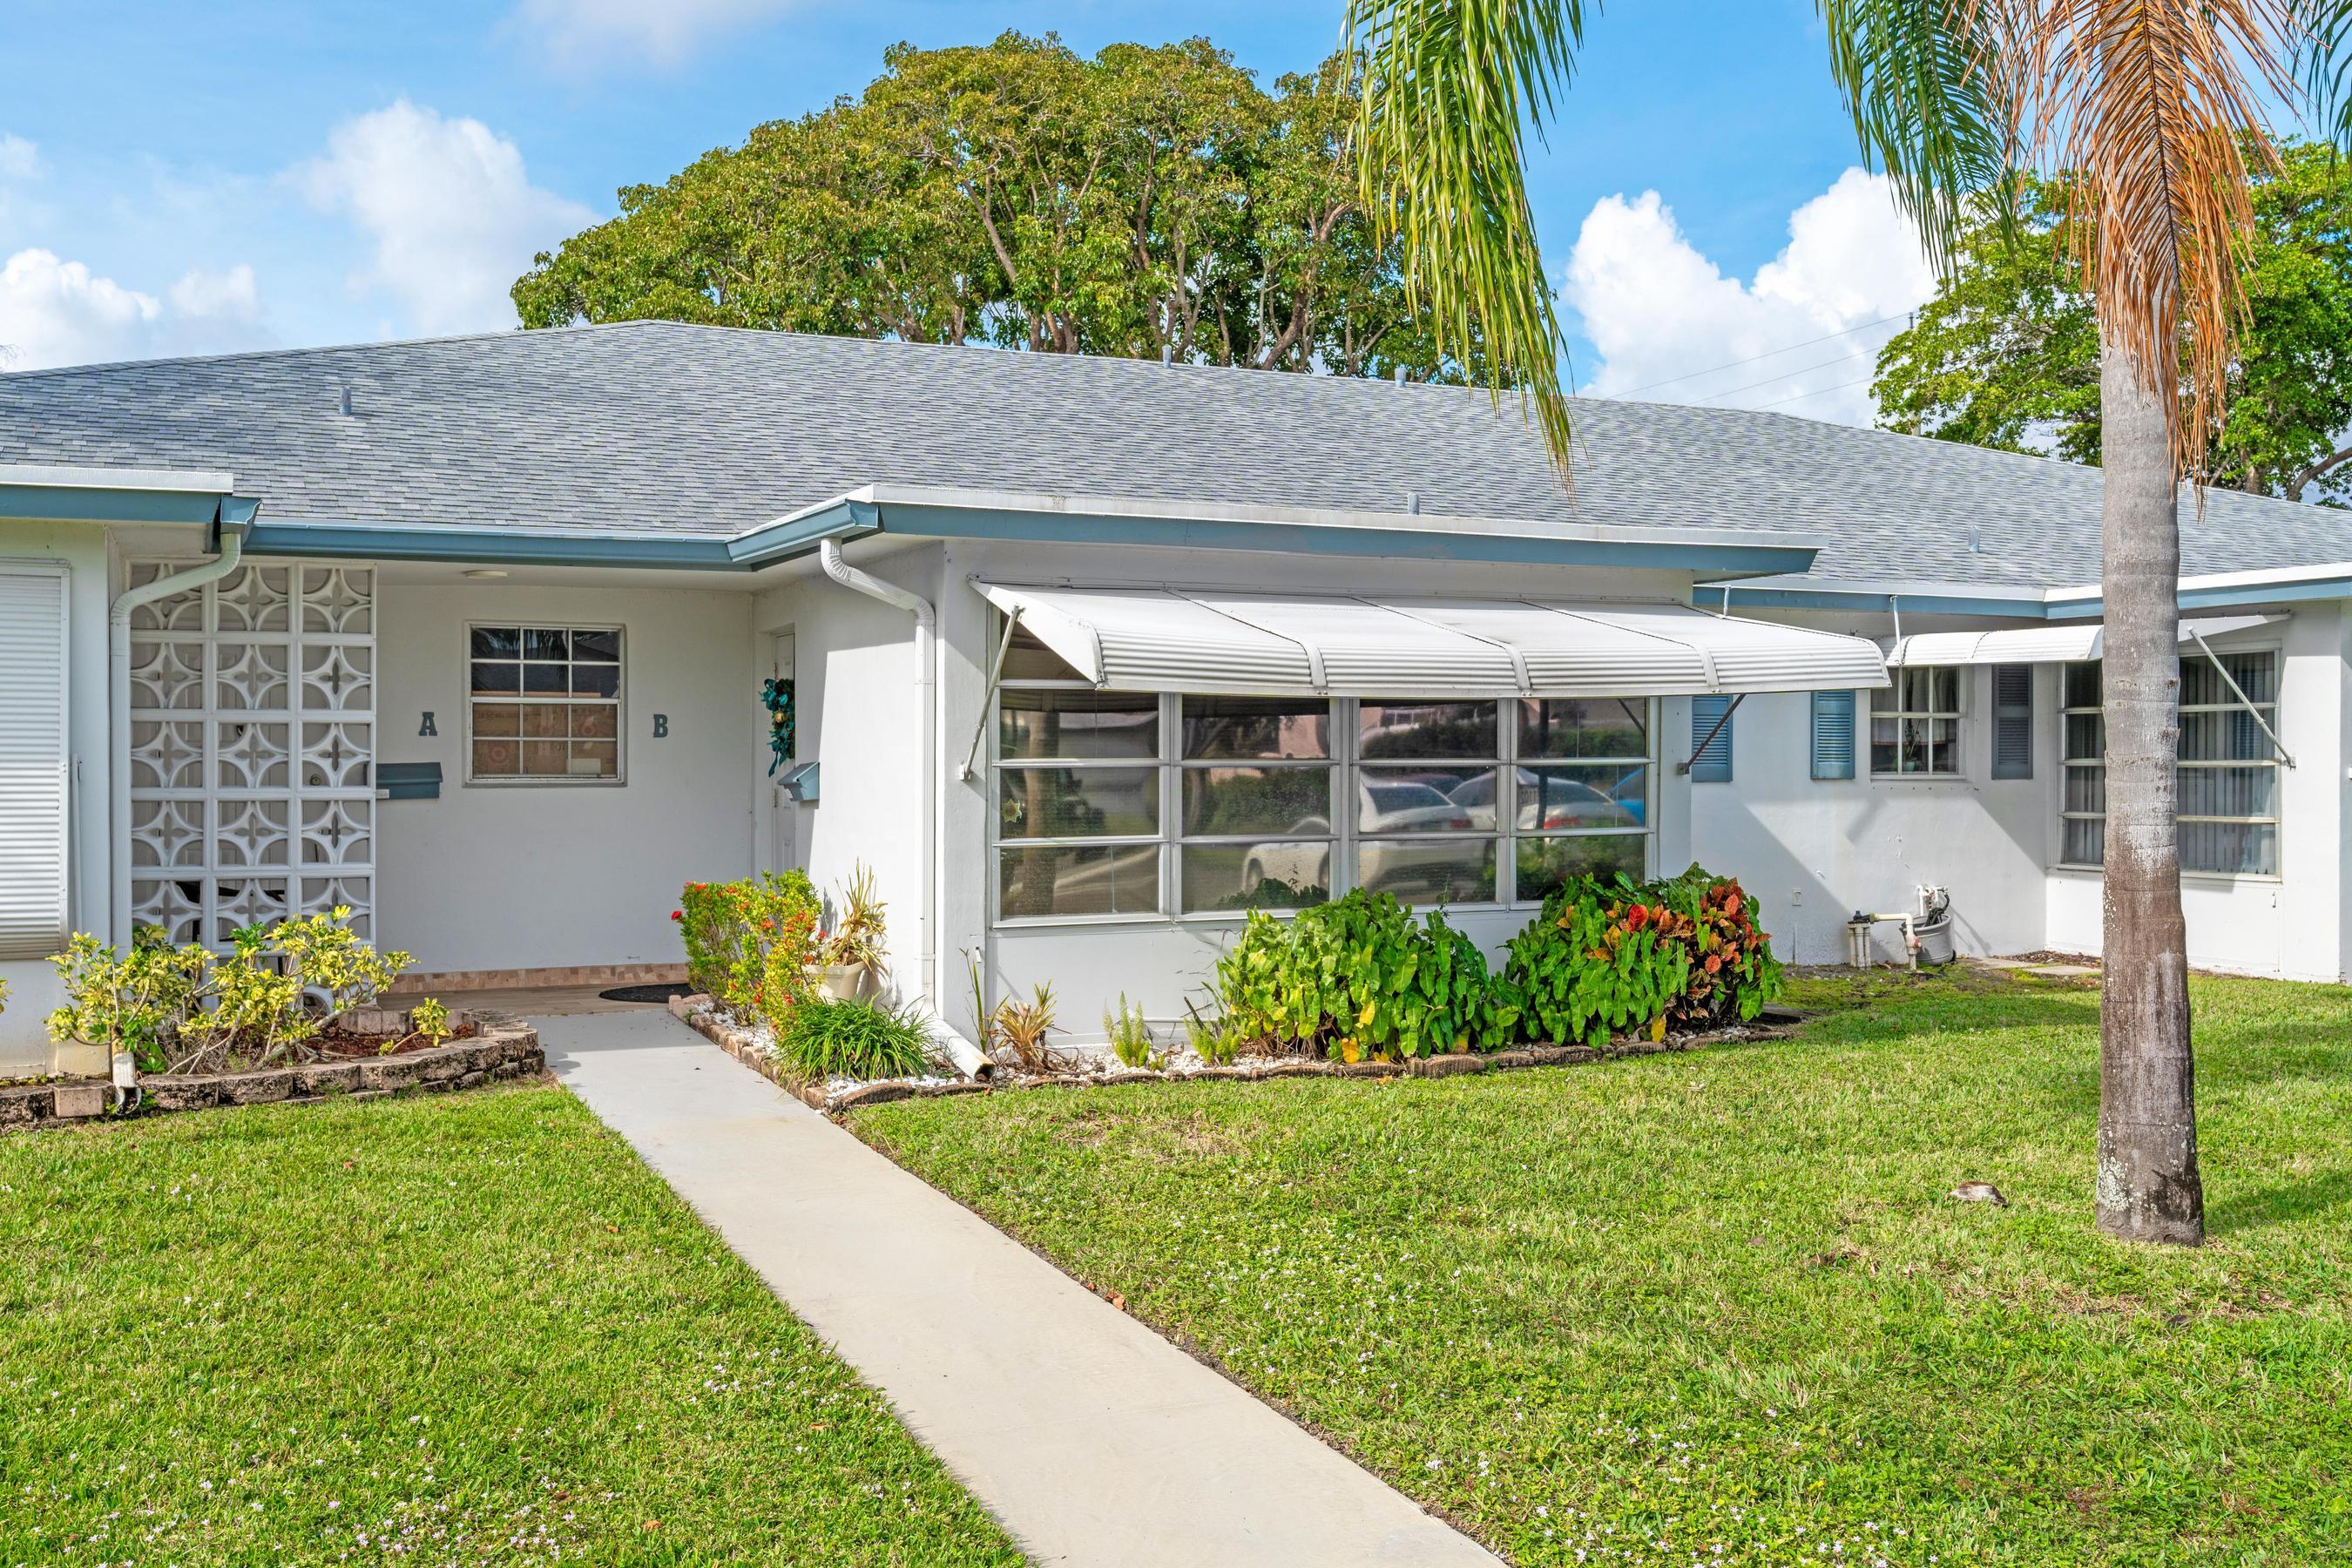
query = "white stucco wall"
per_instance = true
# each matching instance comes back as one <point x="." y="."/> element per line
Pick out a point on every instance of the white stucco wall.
<point x="2291" y="926"/>
<point x="859" y="716"/>
<point x="1813" y="851"/>
<point x="82" y="549"/>
<point x="565" y="875"/>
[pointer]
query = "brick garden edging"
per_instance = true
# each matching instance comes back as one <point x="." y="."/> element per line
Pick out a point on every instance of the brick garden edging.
<point x="503" y="1048"/>
<point x="695" y="1011"/>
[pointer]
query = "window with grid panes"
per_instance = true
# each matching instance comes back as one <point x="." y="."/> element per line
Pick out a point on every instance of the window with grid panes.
<point x="1915" y="725"/>
<point x="1134" y="803"/>
<point x="2229" y="803"/>
<point x="543" y="704"/>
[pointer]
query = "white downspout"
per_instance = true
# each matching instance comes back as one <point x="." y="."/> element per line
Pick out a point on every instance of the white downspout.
<point x="118" y="709"/>
<point x="966" y="1056"/>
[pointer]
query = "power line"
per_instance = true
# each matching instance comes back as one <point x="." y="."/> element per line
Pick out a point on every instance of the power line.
<point x="1784" y="375"/>
<point x="1751" y="359"/>
<point x="1798" y="396"/>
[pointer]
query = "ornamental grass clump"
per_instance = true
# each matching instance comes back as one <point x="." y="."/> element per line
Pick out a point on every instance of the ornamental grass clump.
<point x="1608" y="955"/>
<point x="820" y="1039"/>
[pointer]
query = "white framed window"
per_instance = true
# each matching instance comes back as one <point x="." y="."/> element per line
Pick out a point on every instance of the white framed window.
<point x="543" y="704"/>
<point x="2229" y="804"/>
<point x="1140" y="806"/>
<point x="1915" y="725"/>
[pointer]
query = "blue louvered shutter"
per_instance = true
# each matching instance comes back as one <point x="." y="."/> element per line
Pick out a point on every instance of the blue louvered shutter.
<point x="2012" y="720"/>
<point x="1833" y="734"/>
<point x="1712" y="766"/>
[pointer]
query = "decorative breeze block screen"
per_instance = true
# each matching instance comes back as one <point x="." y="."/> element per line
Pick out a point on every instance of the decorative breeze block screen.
<point x="252" y="745"/>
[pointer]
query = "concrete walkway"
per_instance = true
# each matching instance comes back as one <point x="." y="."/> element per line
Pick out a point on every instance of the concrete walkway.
<point x="1093" y="1440"/>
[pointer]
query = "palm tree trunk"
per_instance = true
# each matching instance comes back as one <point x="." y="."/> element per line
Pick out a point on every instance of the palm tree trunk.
<point x="2148" y="1188"/>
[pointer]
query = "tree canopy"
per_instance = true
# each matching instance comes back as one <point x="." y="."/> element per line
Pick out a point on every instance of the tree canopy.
<point x="2007" y="353"/>
<point x="1146" y="200"/>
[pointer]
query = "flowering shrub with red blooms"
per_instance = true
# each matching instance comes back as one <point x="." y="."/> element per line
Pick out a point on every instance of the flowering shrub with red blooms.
<point x="747" y="942"/>
<point x="1607" y="955"/>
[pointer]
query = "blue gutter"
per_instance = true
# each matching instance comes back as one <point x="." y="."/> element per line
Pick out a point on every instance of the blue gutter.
<point x="91" y="503"/>
<point x="496" y="547"/>
<point x="1839" y="599"/>
<point x="1334" y="539"/>
<point x="850" y="518"/>
<point x="2083" y="609"/>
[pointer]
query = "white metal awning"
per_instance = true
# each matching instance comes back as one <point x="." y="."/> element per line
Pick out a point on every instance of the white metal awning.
<point x="1197" y="639"/>
<point x="2037" y="644"/>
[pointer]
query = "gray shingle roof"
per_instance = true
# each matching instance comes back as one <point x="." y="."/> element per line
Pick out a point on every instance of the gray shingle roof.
<point x="706" y="431"/>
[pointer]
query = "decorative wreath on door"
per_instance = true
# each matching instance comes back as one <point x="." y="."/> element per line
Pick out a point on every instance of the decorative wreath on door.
<point x="777" y="697"/>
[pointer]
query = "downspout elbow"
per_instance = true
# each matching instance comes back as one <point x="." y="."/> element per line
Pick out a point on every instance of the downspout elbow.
<point x="828" y="554"/>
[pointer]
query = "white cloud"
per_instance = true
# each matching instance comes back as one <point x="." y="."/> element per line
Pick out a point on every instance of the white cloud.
<point x="1655" y="308"/>
<point x="56" y="312"/>
<point x="447" y="204"/>
<point x="19" y="159"/>
<point x="581" y="34"/>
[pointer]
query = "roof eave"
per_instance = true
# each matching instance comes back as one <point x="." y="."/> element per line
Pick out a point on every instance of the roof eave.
<point x="57" y="493"/>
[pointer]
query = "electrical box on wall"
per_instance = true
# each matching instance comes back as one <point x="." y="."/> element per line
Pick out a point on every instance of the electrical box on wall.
<point x="799" y="783"/>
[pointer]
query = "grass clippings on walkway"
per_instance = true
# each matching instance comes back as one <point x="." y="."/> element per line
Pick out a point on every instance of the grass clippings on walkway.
<point x="470" y="1328"/>
<point x="1719" y="1308"/>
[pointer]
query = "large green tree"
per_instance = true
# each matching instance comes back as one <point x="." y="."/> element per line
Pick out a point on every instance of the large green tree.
<point x="1140" y="202"/>
<point x="2007" y="353"/>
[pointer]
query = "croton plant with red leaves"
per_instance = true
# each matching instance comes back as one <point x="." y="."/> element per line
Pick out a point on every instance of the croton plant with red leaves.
<point x="1609" y="955"/>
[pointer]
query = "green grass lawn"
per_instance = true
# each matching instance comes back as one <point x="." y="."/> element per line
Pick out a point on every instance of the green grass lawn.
<point x="1718" y="1308"/>
<point x="470" y="1328"/>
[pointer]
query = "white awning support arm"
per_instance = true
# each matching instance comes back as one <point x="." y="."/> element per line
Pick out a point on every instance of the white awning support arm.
<point x="2245" y="701"/>
<point x="988" y="697"/>
<point x="1700" y="750"/>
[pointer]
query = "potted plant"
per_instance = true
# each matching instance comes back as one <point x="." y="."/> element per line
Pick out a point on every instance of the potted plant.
<point x="851" y="951"/>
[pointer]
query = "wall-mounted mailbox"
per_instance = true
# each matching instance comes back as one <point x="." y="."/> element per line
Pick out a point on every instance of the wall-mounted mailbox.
<point x="799" y="782"/>
<point x="408" y="781"/>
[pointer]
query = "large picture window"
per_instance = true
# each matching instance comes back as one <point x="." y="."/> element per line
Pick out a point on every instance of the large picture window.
<point x="543" y="704"/>
<point x="1136" y="805"/>
<point x="2229" y="806"/>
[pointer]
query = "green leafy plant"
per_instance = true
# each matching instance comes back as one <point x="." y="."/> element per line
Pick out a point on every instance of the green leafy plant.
<point x="821" y="1039"/>
<point x="1130" y="1036"/>
<point x="1359" y="978"/>
<point x="731" y="930"/>
<point x="1214" y="1043"/>
<point x="430" y="1018"/>
<point x="185" y="1010"/>
<point x="132" y="1002"/>
<point x="1609" y="955"/>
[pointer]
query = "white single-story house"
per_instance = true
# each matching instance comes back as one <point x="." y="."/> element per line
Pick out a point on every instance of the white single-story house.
<point x="1083" y="658"/>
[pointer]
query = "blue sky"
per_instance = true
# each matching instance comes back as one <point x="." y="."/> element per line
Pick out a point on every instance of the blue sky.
<point x="184" y="178"/>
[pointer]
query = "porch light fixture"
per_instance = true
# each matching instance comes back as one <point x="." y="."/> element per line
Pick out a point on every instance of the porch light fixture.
<point x="483" y="573"/>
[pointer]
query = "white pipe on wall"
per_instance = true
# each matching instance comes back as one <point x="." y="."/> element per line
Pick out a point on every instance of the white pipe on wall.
<point x="117" y="712"/>
<point x="934" y="798"/>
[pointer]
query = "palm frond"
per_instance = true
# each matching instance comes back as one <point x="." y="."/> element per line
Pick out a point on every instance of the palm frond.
<point x="2154" y="105"/>
<point x="1934" y="102"/>
<point x="1450" y="89"/>
<point x="2327" y="64"/>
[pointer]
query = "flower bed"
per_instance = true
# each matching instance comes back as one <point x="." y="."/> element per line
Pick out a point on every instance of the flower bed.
<point x="1357" y="986"/>
<point x="496" y="1049"/>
